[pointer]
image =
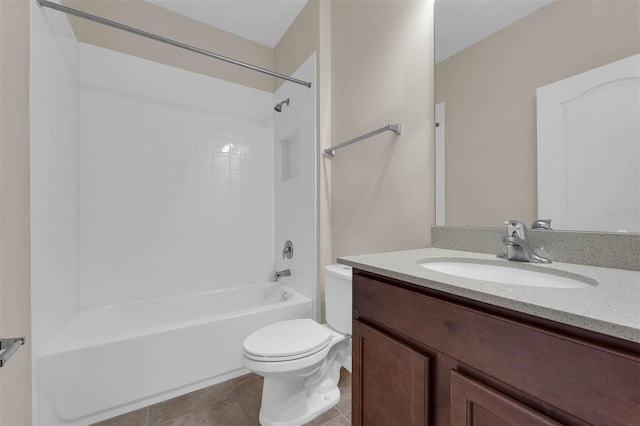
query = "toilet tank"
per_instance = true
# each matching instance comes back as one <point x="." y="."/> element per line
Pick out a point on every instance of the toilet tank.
<point x="337" y="297"/>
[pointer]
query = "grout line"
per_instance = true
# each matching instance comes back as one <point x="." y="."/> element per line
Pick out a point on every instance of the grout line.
<point x="175" y="418"/>
<point x="233" y="388"/>
<point x="244" y="414"/>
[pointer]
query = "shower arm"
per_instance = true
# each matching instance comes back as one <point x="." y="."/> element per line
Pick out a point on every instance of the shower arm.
<point x="107" y="22"/>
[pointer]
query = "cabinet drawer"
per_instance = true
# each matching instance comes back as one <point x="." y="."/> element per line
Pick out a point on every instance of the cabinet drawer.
<point x="558" y="371"/>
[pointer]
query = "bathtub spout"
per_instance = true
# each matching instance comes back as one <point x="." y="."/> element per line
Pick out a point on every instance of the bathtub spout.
<point x="279" y="274"/>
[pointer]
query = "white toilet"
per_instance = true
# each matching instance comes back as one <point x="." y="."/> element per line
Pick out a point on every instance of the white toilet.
<point x="300" y="359"/>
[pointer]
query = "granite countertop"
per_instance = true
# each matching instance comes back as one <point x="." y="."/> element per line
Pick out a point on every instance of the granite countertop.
<point x="611" y="307"/>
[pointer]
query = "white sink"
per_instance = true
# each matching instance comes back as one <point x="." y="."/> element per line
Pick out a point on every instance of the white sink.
<point x="507" y="274"/>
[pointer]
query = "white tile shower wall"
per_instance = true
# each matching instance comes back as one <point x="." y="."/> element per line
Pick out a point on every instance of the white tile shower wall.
<point x="295" y="180"/>
<point x="176" y="180"/>
<point x="54" y="173"/>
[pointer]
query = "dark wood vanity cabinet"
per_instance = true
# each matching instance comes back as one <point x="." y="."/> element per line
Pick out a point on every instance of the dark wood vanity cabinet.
<point x="384" y="361"/>
<point x="423" y="357"/>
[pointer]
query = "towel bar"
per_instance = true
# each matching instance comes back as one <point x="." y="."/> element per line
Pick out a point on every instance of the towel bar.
<point x="10" y="346"/>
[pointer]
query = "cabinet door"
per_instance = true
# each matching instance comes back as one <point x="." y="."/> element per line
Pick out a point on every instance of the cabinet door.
<point x="391" y="380"/>
<point x="475" y="404"/>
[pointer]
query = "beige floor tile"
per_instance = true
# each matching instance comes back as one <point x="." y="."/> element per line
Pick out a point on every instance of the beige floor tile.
<point x="251" y="410"/>
<point x="247" y="381"/>
<point x="338" y="421"/>
<point x="236" y="402"/>
<point x="248" y="389"/>
<point x="345" y="377"/>
<point x="345" y="400"/>
<point x="176" y="407"/>
<point x="325" y="417"/>
<point x="134" y="418"/>
<point x="227" y="413"/>
<point x="345" y="391"/>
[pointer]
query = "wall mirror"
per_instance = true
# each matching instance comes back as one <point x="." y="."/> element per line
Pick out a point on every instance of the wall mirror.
<point x="491" y="59"/>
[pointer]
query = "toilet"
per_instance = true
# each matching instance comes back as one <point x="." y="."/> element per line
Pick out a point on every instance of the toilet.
<point x="300" y="359"/>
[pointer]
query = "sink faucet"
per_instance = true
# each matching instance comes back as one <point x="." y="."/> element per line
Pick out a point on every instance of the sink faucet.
<point x="279" y="274"/>
<point x="517" y="244"/>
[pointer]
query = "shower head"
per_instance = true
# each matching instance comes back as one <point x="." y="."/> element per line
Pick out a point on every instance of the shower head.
<point x="278" y="107"/>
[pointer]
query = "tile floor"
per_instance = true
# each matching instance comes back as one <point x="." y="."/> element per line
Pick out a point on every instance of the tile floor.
<point x="234" y="402"/>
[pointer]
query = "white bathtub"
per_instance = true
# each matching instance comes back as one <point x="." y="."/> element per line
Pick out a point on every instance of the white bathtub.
<point x="109" y="360"/>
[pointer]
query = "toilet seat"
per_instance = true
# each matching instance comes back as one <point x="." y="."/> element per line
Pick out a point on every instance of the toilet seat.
<point x="287" y="341"/>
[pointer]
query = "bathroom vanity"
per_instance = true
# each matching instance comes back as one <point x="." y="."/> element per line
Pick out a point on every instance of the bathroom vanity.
<point x="432" y="348"/>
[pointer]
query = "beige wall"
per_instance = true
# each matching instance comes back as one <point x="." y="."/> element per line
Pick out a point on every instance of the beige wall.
<point x="382" y="189"/>
<point x="15" y="377"/>
<point x="154" y="19"/>
<point x="489" y="92"/>
<point x="325" y="253"/>
<point x="300" y="41"/>
<point x="311" y="31"/>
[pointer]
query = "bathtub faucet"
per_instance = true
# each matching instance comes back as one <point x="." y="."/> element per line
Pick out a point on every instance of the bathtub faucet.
<point x="287" y="251"/>
<point x="280" y="274"/>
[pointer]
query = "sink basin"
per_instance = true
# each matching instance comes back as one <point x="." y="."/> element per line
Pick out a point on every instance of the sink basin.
<point x="507" y="274"/>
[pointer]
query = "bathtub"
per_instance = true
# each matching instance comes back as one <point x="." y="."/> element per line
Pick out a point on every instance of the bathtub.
<point x="109" y="360"/>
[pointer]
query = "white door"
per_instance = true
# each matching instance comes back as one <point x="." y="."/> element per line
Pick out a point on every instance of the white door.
<point x="589" y="149"/>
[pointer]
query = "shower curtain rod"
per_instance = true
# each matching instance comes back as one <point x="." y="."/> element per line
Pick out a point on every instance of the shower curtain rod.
<point x="103" y="21"/>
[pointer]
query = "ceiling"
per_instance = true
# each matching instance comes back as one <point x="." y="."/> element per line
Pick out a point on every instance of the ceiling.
<point x="262" y="21"/>
<point x="459" y="23"/>
<point x="462" y="23"/>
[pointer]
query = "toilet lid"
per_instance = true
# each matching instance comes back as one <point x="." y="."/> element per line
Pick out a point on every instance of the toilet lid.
<point x="288" y="339"/>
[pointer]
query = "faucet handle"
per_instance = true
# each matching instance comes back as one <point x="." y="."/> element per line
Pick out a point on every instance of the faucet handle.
<point x="516" y="228"/>
<point x="287" y="251"/>
<point x="542" y="224"/>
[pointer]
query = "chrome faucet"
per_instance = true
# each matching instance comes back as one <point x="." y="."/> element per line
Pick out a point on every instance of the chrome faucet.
<point x="279" y="274"/>
<point x="517" y="244"/>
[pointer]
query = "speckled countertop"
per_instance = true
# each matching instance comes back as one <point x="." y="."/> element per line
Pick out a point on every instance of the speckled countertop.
<point x="611" y="307"/>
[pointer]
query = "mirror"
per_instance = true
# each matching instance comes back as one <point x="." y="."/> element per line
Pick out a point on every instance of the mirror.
<point x="491" y="57"/>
